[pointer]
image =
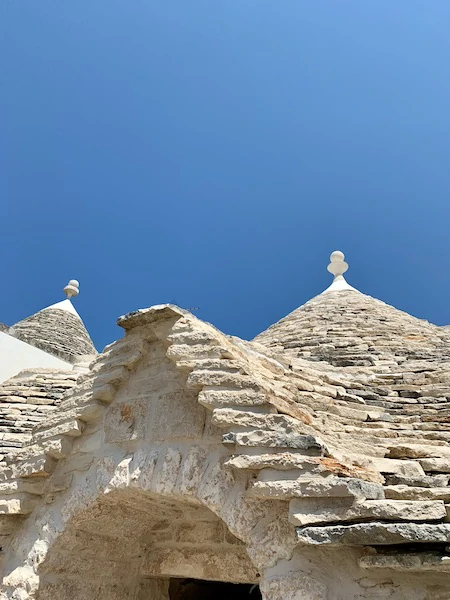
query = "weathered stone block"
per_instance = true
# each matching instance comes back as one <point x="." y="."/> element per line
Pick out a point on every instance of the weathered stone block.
<point x="374" y="534"/>
<point x="217" y="398"/>
<point x="439" y="465"/>
<point x="176" y="415"/>
<point x="332" y="510"/>
<point x="407" y="562"/>
<point x="19" y="504"/>
<point x="261" y="438"/>
<point x="38" y="466"/>
<point x="126" y="421"/>
<point x="72" y="428"/>
<point x="323" y="487"/>
<point x="406" y="492"/>
<point x="419" y="451"/>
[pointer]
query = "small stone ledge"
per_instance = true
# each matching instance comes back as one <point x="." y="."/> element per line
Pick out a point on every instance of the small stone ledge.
<point x="310" y="465"/>
<point x="406" y="468"/>
<point x="375" y="534"/>
<point x="227" y="417"/>
<point x="421" y="451"/>
<point x="426" y="481"/>
<point x="72" y="428"/>
<point x="199" y="378"/>
<point x="408" y="562"/>
<point x="308" y="444"/>
<point x="146" y="316"/>
<point x="320" y="487"/>
<point x="406" y="492"/>
<point x="320" y="511"/>
<point x="37" y="466"/>
<point x="18" y="504"/>
<point x="223" y="398"/>
<point x="12" y="487"/>
<point x="436" y="465"/>
<point x="107" y="376"/>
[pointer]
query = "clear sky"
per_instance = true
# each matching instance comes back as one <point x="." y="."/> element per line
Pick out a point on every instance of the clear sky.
<point x="213" y="153"/>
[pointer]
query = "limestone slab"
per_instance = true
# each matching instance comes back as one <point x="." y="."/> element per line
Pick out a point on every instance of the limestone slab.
<point x="374" y="534"/>
<point x="415" y="561"/>
<point x="326" y="510"/>
<point x="261" y="438"/>
<point x="321" y="487"/>
<point x="439" y="465"/>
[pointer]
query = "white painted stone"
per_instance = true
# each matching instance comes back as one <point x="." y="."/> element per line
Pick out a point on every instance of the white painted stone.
<point x="17" y="356"/>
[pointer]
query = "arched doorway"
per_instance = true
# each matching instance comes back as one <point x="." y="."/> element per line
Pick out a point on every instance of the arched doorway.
<point x="135" y="545"/>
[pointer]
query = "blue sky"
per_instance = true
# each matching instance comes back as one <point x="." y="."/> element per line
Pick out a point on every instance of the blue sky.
<point x="213" y="154"/>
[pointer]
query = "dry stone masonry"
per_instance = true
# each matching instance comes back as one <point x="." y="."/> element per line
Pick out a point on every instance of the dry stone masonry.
<point x="56" y="331"/>
<point x="26" y="400"/>
<point x="311" y="463"/>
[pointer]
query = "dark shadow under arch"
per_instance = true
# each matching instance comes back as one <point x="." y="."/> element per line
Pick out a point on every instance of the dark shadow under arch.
<point x="197" y="589"/>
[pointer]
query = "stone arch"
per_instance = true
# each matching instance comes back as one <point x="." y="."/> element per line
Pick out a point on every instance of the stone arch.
<point x="129" y="543"/>
<point x="102" y="441"/>
<point x="154" y="476"/>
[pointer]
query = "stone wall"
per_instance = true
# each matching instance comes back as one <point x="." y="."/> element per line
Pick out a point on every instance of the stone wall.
<point x="26" y="400"/>
<point x="154" y="442"/>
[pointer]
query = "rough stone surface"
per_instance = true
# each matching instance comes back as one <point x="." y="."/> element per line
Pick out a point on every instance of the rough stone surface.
<point x="186" y="453"/>
<point x="293" y="586"/>
<point x="375" y="534"/>
<point x="26" y="400"/>
<point x="318" y="511"/>
<point x="320" y="487"/>
<point x="57" y="332"/>
<point x="411" y="562"/>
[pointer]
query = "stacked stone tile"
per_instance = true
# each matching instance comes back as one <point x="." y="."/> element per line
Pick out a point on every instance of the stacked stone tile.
<point x="350" y="329"/>
<point x="26" y="400"/>
<point x="391" y="374"/>
<point x="56" y="331"/>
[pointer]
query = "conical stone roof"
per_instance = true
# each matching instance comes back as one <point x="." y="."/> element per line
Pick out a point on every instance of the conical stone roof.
<point x="381" y="359"/>
<point x="349" y="329"/>
<point x="57" y="329"/>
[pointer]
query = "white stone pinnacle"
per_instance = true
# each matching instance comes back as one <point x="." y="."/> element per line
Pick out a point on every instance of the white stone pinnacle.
<point x="72" y="288"/>
<point x="338" y="267"/>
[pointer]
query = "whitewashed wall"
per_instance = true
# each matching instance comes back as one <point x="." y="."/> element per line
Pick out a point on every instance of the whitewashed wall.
<point x="16" y="355"/>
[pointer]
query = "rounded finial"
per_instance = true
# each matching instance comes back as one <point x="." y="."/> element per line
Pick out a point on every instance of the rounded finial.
<point x="337" y="266"/>
<point x="72" y="288"/>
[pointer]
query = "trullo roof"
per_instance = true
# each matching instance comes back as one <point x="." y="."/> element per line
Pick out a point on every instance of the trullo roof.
<point x="57" y="329"/>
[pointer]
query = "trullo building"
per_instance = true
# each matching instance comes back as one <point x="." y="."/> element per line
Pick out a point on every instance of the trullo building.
<point x="181" y="463"/>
